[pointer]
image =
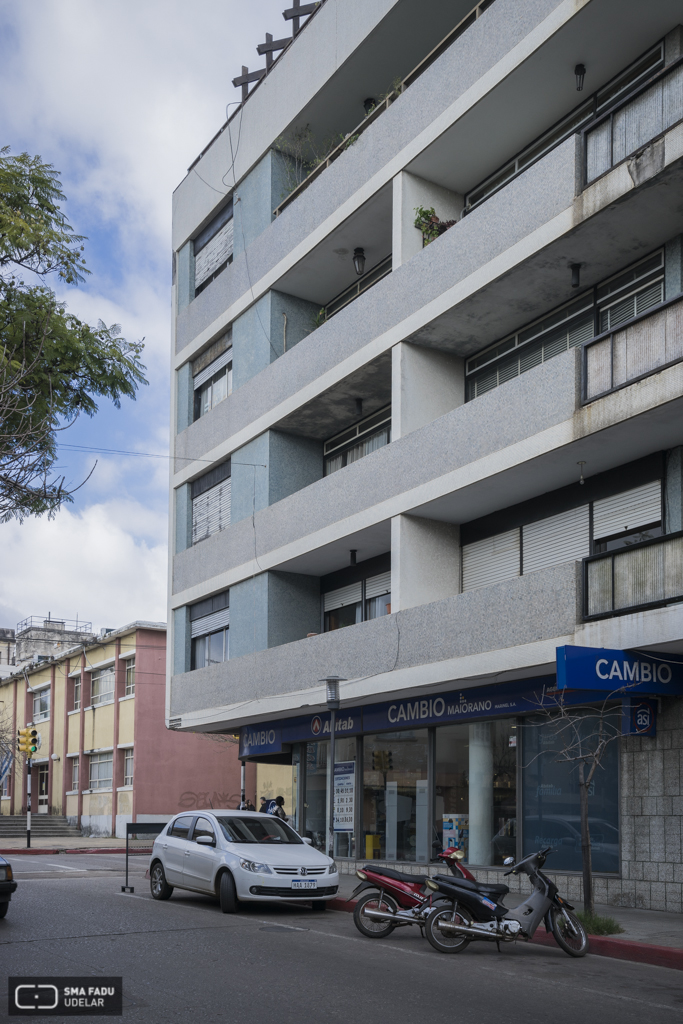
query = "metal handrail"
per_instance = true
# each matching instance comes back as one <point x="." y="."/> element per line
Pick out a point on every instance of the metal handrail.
<point x="374" y="275"/>
<point x="611" y="555"/>
<point x="585" y="400"/>
<point x="352" y="136"/>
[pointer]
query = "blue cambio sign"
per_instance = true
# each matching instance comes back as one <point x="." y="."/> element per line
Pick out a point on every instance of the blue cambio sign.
<point x="618" y="672"/>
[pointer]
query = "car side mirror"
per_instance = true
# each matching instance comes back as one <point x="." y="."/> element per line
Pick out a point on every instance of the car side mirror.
<point x="206" y="841"/>
<point x="309" y="842"/>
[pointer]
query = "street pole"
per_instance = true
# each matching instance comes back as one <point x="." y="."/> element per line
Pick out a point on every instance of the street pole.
<point x="330" y="829"/>
<point x="28" y="804"/>
<point x="332" y="695"/>
<point x="243" y="784"/>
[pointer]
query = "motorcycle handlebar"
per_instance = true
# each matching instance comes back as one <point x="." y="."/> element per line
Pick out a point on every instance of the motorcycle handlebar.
<point x="542" y="854"/>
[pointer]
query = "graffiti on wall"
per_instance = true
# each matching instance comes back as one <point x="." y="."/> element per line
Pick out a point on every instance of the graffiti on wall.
<point x="189" y="800"/>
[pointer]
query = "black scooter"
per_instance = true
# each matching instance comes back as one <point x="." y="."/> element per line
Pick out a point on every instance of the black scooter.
<point x="476" y="911"/>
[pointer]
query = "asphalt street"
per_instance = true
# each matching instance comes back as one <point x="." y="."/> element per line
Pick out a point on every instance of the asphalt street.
<point x="183" y="959"/>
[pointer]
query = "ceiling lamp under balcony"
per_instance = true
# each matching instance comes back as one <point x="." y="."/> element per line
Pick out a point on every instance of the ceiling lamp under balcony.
<point x="359" y="261"/>
<point x="580" y="72"/>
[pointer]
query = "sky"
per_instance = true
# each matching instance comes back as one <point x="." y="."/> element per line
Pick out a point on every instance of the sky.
<point x="120" y="96"/>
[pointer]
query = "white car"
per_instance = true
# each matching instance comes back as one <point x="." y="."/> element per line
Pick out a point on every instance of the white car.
<point x="237" y="855"/>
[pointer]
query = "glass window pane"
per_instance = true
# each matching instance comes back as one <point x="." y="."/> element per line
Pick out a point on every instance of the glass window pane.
<point x="130" y="677"/>
<point x="349" y="615"/>
<point x="395" y="811"/>
<point x="316" y="791"/>
<point x="476" y="801"/>
<point x="215" y="643"/>
<point x="378" y="606"/>
<point x="199" y="652"/>
<point x="551" y="796"/>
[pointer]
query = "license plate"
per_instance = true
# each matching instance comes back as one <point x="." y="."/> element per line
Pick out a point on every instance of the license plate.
<point x="307" y="884"/>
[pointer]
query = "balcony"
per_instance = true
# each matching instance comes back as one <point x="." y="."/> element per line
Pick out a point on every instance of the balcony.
<point x="646" y="113"/>
<point x="645" y="575"/>
<point x="650" y="343"/>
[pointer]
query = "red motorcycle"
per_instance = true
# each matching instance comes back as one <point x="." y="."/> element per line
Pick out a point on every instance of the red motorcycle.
<point x="397" y="898"/>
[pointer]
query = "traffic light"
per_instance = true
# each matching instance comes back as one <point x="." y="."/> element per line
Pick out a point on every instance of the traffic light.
<point x="382" y="761"/>
<point x="28" y="741"/>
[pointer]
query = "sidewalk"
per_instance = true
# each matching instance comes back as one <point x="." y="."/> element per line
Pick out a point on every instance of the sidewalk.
<point x="649" y="936"/>
<point x="55" y="844"/>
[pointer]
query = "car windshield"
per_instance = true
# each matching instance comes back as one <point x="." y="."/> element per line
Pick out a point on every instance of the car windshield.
<point x="258" y="830"/>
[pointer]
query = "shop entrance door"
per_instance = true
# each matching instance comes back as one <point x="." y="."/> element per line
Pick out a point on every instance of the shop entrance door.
<point x="42" y="789"/>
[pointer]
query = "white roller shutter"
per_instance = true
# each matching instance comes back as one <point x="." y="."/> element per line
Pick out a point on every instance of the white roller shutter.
<point x="378" y="585"/>
<point x="211" y="511"/>
<point x="212" y="368"/>
<point x="211" y="623"/>
<point x="628" y="510"/>
<point x="561" y="538"/>
<point x="491" y="560"/>
<point x="213" y="255"/>
<point x="342" y="597"/>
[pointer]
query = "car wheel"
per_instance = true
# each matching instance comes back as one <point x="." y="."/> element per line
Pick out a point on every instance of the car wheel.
<point x="227" y="895"/>
<point x="158" y="885"/>
<point x="318" y="905"/>
<point x="3" y="908"/>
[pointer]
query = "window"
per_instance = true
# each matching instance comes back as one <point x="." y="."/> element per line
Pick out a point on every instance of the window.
<point x="258" y="831"/>
<point x="181" y="827"/>
<point x="130" y="677"/>
<point x="210" y="627"/>
<point x="395" y="796"/>
<point x="103" y="685"/>
<point x="128" y="767"/>
<point x="75" y="768"/>
<point x="212" y="376"/>
<point x="101" y="770"/>
<point x="358" y="441"/>
<point x="203" y="827"/>
<point x="357" y="602"/>
<point x="211" y="502"/>
<point x="4" y="786"/>
<point x="618" y="521"/>
<point x="213" y="249"/>
<point x="41" y="705"/>
<point x="605" y="308"/>
<point x="77" y="692"/>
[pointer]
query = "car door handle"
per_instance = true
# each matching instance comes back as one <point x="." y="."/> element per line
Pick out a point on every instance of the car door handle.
<point x="165" y="846"/>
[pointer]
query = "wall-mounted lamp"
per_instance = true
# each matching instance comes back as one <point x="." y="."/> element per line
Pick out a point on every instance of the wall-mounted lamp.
<point x="576" y="274"/>
<point x="359" y="261"/>
<point x="352" y="556"/>
<point x="580" y="72"/>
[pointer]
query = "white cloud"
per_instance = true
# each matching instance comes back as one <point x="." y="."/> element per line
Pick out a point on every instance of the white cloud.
<point x="120" y="95"/>
<point x="106" y="564"/>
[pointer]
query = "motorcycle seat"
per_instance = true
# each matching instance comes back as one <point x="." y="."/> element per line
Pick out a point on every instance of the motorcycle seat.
<point x="481" y="887"/>
<point x="399" y="876"/>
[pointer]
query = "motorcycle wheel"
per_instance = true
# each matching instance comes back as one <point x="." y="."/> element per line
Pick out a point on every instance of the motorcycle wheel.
<point x="374" y="929"/>
<point x="442" y="941"/>
<point x="569" y="934"/>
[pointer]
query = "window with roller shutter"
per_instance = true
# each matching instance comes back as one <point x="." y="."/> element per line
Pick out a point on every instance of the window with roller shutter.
<point x="211" y="501"/>
<point x="628" y="517"/>
<point x="213" y="248"/>
<point x="357" y="602"/>
<point x="491" y="560"/>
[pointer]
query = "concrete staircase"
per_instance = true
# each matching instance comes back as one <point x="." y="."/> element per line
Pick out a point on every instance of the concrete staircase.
<point x="42" y="826"/>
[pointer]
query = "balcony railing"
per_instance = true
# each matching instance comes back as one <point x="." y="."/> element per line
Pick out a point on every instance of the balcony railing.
<point x="634" y="121"/>
<point x="645" y="575"/>
<point x="648" y="344"/>
<point x="385" y="103"/>
<point x="379" y="271"/>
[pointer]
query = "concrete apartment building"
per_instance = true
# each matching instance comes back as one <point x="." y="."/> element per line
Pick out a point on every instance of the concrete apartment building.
<point x="105" y="756"/>
<point x="428" y="458"/>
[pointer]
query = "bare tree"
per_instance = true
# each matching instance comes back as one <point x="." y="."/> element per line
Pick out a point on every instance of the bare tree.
<point x="6" y="741"/>
<point x="582" y="733"/>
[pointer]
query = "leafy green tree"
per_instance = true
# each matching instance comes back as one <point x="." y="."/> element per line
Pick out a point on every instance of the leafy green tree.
<point x="53" y="366"/>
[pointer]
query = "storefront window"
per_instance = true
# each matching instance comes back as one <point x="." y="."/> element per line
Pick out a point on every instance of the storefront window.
<point x="395" y="796"/>
<point x="273" y="780"/>
<point x="551" y="798"/>
<point x="317" y="789"/>
<point x="476" y="789"/>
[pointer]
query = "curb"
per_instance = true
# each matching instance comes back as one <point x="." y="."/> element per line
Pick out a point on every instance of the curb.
<point x="598" y="945"/>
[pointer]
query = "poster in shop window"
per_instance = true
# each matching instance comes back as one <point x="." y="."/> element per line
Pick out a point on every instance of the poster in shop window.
<point x="344" y="786"/>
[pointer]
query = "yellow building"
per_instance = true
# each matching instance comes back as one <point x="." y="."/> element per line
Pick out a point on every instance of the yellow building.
<point x="105" y="757"/>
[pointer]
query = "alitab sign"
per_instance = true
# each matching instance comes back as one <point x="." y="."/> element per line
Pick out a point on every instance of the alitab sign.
<point x="619" y="672"/>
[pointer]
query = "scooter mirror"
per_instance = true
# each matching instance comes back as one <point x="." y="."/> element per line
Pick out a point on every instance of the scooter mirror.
<point x="509" y="860"/>
<point x="432" y="885"/>
<point x="457" y="855"/>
